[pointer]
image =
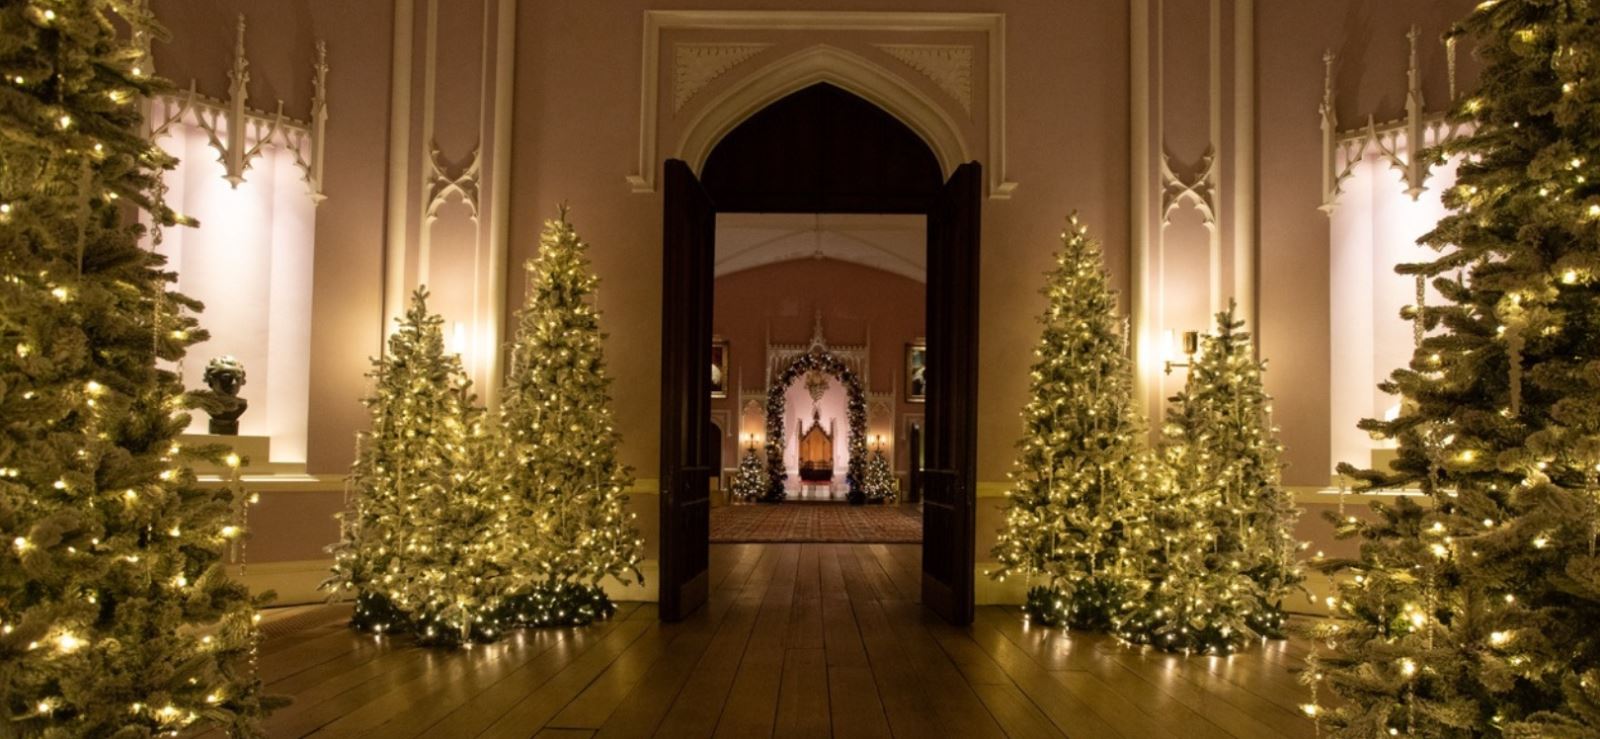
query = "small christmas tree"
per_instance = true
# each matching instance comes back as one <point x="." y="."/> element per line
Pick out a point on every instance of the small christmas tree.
<point x="878" y="483"/>
<point x="116" y="616"/>
<point x="1195" y="600"/>
<point x="421" y="541"/>
<point x="1475" y="615"/>
<point x="1077" y="479"/>
<point x="1225" y="555"/>
<point x="570" y="523"/>
<point x="751" y="480"/>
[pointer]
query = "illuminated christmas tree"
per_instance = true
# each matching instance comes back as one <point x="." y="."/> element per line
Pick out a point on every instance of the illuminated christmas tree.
<point x="570" y="526"/>
<point x="878" y="483"/>
<point x="750" y="482"/>
<point x="116" y="615"/>
<point x="1473" y="613"/>
<point x="1223" y="555"/>
<point x="1078" y="482"/>
<point x="421" y="543"/>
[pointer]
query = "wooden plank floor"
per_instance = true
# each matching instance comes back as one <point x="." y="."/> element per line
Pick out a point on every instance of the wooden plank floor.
<point x="799" y="640"/>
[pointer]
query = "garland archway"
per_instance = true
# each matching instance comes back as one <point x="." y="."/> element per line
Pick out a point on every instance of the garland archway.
<point x="824" y="361"/>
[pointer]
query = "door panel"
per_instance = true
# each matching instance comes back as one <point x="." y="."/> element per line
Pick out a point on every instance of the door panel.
<point x="689" y="252"/>
<point x="949" y="479"/>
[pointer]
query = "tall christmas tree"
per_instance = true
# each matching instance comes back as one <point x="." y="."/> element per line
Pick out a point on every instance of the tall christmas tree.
<point x="116" y="617"/>
<point x="1225" y="553"/>
<point x="421" y="542"/>
<point x="570" y="523"/>
<point x="1474" y="614"/>
<point x="1078" y="476"/>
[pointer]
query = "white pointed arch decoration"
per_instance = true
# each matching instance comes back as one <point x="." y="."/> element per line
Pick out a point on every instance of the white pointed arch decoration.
<point x="850" y="72"/>
<point x="849" y="49"/>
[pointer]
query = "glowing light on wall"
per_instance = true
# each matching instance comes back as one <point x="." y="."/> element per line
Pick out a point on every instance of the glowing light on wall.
<point x="1375" y="228"/>
<point x="250" y="264"/>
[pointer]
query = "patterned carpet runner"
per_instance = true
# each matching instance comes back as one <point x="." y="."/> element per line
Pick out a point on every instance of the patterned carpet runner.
<point x="816" y="522"/>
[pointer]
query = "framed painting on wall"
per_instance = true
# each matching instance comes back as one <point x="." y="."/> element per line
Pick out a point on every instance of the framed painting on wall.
<point x="719" y="368"/>
<point x="917" y="372"/>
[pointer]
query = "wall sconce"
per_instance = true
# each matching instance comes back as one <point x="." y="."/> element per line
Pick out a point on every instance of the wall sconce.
<point x="750" y="442"/>
<point x="1191" y="345"/>
<point x="877" y="442"/>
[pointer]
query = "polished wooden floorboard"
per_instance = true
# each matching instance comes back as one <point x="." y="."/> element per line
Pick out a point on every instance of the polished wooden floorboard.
<point x="798" y="640"/>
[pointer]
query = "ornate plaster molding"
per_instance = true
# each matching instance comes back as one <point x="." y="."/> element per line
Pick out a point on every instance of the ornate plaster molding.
<point x="1343" y="150"/>
<point x="880" y="408"/>
<point x="949" y="66"/>
<point x="698" y="65"/>
<point x="239" y="132"/>
<point x="643" y="178"/>
<point x="855" y="357"/>
<point x="442" y="184"/>
<point x="1198" y="189"/>
<point x="846" y="70"/>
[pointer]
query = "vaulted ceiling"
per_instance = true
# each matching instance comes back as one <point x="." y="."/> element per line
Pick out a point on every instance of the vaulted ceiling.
<point x="892" y="243"/>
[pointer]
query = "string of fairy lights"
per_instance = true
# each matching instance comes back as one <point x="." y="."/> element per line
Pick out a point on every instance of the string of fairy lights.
<point x="116" y="556"/>
<point x="1187" y="547"/>
<point x="463" y="525"/>
<point x="1469" y="607"/>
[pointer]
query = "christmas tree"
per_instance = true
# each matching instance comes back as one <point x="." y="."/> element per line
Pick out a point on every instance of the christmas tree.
<point x="116" y="616"/>
<point x="420" y="543"/>
<point x="570" y="525"/>
<point x="1473" y="613"/>
<point x="751" y="480"/>
<point x="1078" y="478"/>
<point x="1195" y="599"/>
<point x="1224" y="554"/>
<point x="878" y="482"/>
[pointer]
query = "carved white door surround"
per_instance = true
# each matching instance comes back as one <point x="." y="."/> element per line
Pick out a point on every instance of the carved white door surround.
<point x="704" y="72"/>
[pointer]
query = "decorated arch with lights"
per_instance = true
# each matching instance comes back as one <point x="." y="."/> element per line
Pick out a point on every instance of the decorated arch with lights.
<point x="817" y="359"/>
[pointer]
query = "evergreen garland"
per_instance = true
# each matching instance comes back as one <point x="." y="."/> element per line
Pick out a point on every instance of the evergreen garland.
<point x="825" y="362"/>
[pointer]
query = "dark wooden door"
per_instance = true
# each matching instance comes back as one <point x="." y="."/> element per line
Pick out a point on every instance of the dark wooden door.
<point x="688" y="238"/>
<point x="914" y="473"/>
<point x="949" y="479"/>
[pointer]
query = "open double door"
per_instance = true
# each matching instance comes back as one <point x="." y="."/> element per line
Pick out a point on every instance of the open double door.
<point x="689" y="233"/>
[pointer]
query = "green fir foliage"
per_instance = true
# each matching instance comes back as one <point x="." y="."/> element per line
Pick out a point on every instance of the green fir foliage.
<point x="751" y="481"/>
<point x="1474" y="612"/>
<point x="570" y="526"/>
<point x="116" y="616"/>
<point x="879" y="484"/>
<point x="422" y="545"/>
<point x="1078" y="481"/>
<point x="1223" y="558"/>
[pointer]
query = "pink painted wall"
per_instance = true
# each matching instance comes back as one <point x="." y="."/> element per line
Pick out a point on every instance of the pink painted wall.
<point x="781" y="300"/>
<point x="575" y="134"/>
<point x="576" y="139"/>
<point x="1370" y="38"/>
<point x="347" y="272"/>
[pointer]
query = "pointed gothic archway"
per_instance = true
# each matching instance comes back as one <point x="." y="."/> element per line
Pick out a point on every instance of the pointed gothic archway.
<point x="771" y="174"/>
